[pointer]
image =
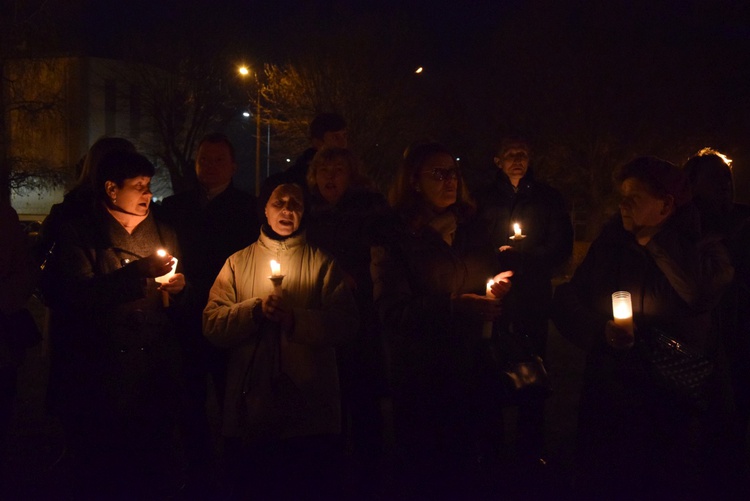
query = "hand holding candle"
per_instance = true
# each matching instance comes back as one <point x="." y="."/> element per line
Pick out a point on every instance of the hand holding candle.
<point x="487" y="326"/>
<point x="164" y="279"/>
<point x="497" y="288"/>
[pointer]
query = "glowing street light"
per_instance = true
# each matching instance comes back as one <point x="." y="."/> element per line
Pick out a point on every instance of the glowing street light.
<point x="244" y="71"/>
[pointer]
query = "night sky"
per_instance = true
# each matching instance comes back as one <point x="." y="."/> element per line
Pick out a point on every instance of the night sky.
<point x="666" y="77"/>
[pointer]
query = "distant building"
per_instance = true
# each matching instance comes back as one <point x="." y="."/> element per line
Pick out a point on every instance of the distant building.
<point x="55" y="108"/>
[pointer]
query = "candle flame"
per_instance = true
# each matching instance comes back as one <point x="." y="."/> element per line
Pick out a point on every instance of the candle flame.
<point x="621" y="311"/>
<point x="516" y="229"/>
<point x="161" y="253"/>
<point x="275" y="268"/>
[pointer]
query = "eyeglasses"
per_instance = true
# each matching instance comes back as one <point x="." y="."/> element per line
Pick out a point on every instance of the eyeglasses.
<point x="439" y="174"/>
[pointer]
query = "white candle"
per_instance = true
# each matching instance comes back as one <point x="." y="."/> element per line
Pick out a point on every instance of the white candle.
<point x="517" y="233"/>
<point x="490" y="283"/>
<point x="487" y="326"/>
<point x="622" y="310"/>
<point x="275" y="268"/>
<point x="166" y="278"/>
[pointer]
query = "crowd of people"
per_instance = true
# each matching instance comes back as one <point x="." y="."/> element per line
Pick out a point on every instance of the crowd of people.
<point x="360" y="345"/>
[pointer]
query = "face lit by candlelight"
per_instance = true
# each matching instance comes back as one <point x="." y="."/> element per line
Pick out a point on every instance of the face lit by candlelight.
<point x="333" y="179"/>
<point x="437" y="181"/>
<point x="641" y="208"/>
<point x="514" y="162"/>
<point x="133" y="197"/>
<point x="285" y="208"/>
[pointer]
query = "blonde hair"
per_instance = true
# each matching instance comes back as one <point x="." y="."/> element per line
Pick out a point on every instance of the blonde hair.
<point x="329" y="154"/>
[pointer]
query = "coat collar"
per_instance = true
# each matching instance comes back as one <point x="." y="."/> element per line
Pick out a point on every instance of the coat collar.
<point x="274" y="245"/>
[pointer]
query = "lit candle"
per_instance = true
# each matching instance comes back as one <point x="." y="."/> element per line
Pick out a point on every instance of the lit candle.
<point x="166" y="278"/>
<point x="517" y="234"/>
<point x="487" y="327"/>
<point x="622" y="310"/>
<point x="275" y="268"/>
<point x="276" y="277"/>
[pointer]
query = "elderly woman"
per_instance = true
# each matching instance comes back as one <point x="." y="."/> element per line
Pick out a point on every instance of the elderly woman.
<point x="430" y="282"/>
<point x="633" y="434"/>
<point x="346" y="219"/>
<point x="115" y="361"/>
<point x="282" y="406"/>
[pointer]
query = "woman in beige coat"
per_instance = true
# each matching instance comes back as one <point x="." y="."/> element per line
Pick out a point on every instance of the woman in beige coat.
<point x="282" y="407"/>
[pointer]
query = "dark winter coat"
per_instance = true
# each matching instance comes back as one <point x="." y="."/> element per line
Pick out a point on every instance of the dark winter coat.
<point x="627" y="428"/>
<point x="210" y="231"/>
<point x="432" y="347"/>
<point x="346" y="231"/>
<point x="114" y="349"/>
<point x="543" y="216"/>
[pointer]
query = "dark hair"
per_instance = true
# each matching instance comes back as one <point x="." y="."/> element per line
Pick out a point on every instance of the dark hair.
<point x="328" y="154"/>
<point x="663" y="178"/>
<point x="404" y="197"/>
<point x="216" y="138"/>
<point x="326" y="122"/>
<point x="512" y="142"/>
<point x="117" y="166"/>
<point x="97" y="151"/>
<point x="709" y="166"/>
<point x="712" y="182"/>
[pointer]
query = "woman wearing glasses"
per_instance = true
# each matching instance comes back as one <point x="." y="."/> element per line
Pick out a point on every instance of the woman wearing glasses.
<point x="430" y="281"/>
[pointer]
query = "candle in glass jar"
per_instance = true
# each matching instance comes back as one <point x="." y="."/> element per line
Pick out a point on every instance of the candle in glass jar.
<point x="622" y="310"/>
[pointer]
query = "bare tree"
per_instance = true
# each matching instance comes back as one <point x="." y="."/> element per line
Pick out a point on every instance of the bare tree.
<point x="363" y="71"/>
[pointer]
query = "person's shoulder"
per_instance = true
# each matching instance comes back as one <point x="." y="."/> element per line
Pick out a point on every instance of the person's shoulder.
<point x="181" y="199"/>
<point x="238" y="197"/>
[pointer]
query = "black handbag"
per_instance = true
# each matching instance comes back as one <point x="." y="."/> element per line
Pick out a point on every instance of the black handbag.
<point x="677" y="370"/>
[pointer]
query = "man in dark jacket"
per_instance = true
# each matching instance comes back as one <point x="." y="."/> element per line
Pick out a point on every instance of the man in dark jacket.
<point x="534" y="250"/>
<point x="213" y="221"/>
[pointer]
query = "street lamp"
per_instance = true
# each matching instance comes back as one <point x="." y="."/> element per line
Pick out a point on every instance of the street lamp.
<point x="244" y="71"/>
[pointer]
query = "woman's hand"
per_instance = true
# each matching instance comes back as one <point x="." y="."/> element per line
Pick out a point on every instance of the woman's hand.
<point x="617" y="337"/>
<point x="502" y="284"/>
<point x="154" y="265"/>
<point x="175" y="284"/>
<point x="487" y="307"/>
<point x="276" y="309"/>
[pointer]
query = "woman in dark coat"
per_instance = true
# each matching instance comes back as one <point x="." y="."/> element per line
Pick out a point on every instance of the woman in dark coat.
<point x="635" y="439"/>
<point x="430" y="281"/>
<point x="345" y="220"/>
<point x="115" y="364"/>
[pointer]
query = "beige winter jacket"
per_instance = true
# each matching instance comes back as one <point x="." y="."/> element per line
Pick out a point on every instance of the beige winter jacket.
<point x="325" y="316"/>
